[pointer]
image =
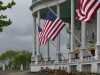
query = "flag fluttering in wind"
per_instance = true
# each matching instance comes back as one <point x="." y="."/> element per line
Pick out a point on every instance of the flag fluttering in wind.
<point x="87" y="9"/>
<point x="52" y="26"/>
<point x="41" y="39"/>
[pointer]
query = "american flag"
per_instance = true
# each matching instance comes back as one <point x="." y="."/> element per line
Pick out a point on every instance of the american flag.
<point x="52" y="26"/>
<point x="87" y="9"/>
<point x="41" y="39"/>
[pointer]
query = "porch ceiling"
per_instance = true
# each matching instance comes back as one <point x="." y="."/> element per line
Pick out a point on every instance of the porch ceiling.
<point x="65" y="11"/>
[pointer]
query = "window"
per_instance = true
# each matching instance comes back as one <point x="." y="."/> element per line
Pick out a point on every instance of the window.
<point x="73" y="68"/>
<point x="93" y="52"/>
<point x="76" y="55"/>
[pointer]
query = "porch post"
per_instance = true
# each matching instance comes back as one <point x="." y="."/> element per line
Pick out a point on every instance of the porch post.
<point x="34" y="40"/>
<point x="72" y="30"/>
<point x="98" y="35"/>
<point x="83" y="39"/>
<point x="58" y="38"/>
<point x="38" y="57"/>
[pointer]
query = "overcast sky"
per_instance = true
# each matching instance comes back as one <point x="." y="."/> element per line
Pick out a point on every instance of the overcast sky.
<point x="17" y="36"/>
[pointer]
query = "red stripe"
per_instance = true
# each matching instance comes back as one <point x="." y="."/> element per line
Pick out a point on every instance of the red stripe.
<point x="93" y="14"/>
<point x="46" y="28"/>
<point x="90" y="8"/>
<point x="58" y="32"/>
<point x="52" y="28"/>
<point x="55" y="29"/>
<point x="86" y="4"/>
<point x="41" y="39"/>
<point x="80" y="6"/>
<point x="77" y="15"/>
<point x="85" y="16"/>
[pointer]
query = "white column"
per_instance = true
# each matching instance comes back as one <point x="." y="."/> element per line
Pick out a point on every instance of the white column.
<point x="94" y="67"/>
<point x="58" y="38"/>
<point x="83" y="38"/>
<point x="38" y="58"/>
<point x="72" y="24"/>
<point x="38" y="46"/>
<point x="3" y="67"/>
<point x="72" y="29"/>
<point x="21" y="67"/>
<point x="79" y="67"/>
<point x="98" y="34"/>
<point x="68" y="68"/>
<point x="34" y="39"/>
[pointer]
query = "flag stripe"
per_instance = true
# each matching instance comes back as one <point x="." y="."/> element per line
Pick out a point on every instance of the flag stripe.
<point x="91" y="12"/>
<point x="58" y="31"/>
<point x="53" y="26"/>
<point x="87" y="9"/>
<point x="47" y="27"/>
<point x="42" y="40"/>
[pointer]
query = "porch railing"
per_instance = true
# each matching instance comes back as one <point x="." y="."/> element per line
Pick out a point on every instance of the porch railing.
<point x="75" y="60"/>
<point x="33" y="1"/>
<point x="98" y="57"/>
<point x="88" y="59"/>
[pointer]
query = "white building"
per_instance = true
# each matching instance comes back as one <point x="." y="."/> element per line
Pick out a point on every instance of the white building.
<point x="79" y="58"/>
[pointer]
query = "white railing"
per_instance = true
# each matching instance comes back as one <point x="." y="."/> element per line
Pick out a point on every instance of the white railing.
<point x="33" y="1"/>
<point x="63" y="62"/>
<point x="98" y="57"/>
<point x="88" y="59"/>
<point x="75" y="60"/>
<point x="84" y="59"/>
<point x="52" y="62"/>
<point x="46" y="62"/>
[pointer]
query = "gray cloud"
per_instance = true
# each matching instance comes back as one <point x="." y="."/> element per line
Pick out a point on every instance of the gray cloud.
<point x="16" y="30"/>
<point x="18" y="35"/>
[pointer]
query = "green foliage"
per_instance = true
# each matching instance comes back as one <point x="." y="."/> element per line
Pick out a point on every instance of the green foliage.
<point x="3" y="18"/>
<point x="13" y="59"/>
<point x="24" y="58"/>
<point x="8" y="56"/>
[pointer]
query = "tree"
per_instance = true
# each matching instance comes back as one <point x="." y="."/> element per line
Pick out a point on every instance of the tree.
<point x="14" y="59"/>
<point x="3" y="18"/>
<point x="8" y="56"/>
<point x="24" y="57"/>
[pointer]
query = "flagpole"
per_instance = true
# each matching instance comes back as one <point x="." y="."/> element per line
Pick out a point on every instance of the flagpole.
<point x="54" y="45"/>
<point x="58" y="49"/>
<point x="78" y="40"/>
<point x="71" y="32"/>
<point x="51" y="10"/>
